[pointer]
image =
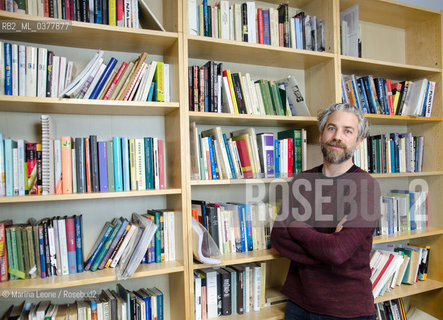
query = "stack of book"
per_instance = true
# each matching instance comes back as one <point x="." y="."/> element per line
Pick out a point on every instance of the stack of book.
<point x="122" y="13"/>
<point x="54" y="246"/>
<point x="122" y="304"/>
<point x="229" y="290"/>
<point x="391" y="153"/>
<point x="81" y="165"/>
<point x="391" y="266"/>
<point x="403" y="210"/>
<point x="237" y="227"/>
<point x="282" y="26"/>
<point x="212" y="89"/>
<point x="246" y="155"/>
<point x="392" y="309"/>
<point x="382" y="96"/>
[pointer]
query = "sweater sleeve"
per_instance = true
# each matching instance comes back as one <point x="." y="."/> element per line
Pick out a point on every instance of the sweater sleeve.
<point x="331" y="248"/>
<point x="287" y="247"/>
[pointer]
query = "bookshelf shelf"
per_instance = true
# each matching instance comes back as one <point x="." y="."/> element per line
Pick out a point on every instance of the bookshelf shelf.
<point x="237" y="181"/>
<point x="98" y="36"/>
<point x="408" y="235"/>
<point x="248" y="119"/>
<point x="408" y="290"/>
<point x="365" y="66"/>
<point x="406" y="174"/>
<point x="89" y="277"/>
<point x="90" y="196"/>
<point x="251" y="53"/>
<point x="275" y="312"/>
<point x="238" y="258"/>
<point x="80" y="106"/>
<point x="400" y="120"/>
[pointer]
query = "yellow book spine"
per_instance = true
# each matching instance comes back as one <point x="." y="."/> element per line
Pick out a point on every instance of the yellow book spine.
<point x="231" y="88"/>
<point x="112" y="13"/>
<point x="160" y="81"/>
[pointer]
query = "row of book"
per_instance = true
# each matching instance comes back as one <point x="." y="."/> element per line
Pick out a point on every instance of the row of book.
<point x="53" y="246"/>
<point x="403" y="210"/>
<point x="391" y="310"/>
<point x="229" y="290"/>
<point x="392" y="265"/>
<point x="245" y="154"/>
<point x="391" y="153"/>
<point x="123" y="13"/>
<point x="212" y="89"/>
<point x="246" y="22"/>
<point x="82" y="165"/>
<point x="382" y="96"/>
<point x="237" y="227"/>
<point x="120" y="234"/>
<point x="36" y="72"/>
<point x="109" y="304"/>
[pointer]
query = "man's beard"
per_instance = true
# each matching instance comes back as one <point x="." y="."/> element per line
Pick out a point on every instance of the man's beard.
<point x="336" y="156"/>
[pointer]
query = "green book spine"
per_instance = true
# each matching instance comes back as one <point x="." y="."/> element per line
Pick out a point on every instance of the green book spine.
<point x="158" y="238"/>
<point x="18" y="235"/>
<point x="106" y="246"/>
<point x="25" y="247"/>
<point x="31" y="247"/>
<point x="267" y="101"/>
<point x="149" y="164"/>
<point x="9" y="249"/>
<point x="298" y="151"/>
<point x="277" y="99"/>
<point x="274" y="105"/>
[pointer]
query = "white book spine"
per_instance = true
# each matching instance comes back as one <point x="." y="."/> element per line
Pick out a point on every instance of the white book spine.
<point x="252" y="26"/>
<point x="224" y="20"/>
<point x="55" y="76"/>
<point x="57" y="247"/>
<point x="52" y="249"/>
<point x="31" y="71"/>
<point x="192" y="17"/>
<point x="94" y="82"/>
<point x="167" y="82"/>
<point x="150" y="76"/>
<point x="211" y="294"/>
<point x="140" y="164"/>
<point x="57" y="166"/>
<point x="22" y="70"/>
<point x="68" y="79"/>
<point x="21" y="166"/>
<point x="237" y="22"/>
<point x="430" y="98"/>
<point x="256" y="287"/>
<point x="198" y="297"/>
<point x="2" y="70"/>
<point x="14" y="53"/>
<point x="2" y="166"/>
<point x="134" y="17"/>
<point x="63" y="246"/>
<point x="42" y="71"/>
<point x="15" y="171"/>
<point x="171" y="222"/>
<point x="166" y="235"/>
<point x="156" y="164"/>
<point x="231" y="23"/>
<point x="127" y="13"/>
<point x="123" y="246"/>
<point x="74" y="171"/>
<point x="62" y="75"/>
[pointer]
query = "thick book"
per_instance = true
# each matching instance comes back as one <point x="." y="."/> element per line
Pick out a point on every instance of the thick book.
<point x="98" y="88"/>
<point x="66" y="164"/>
<point x="70" y="240"/>
<point x="80" y="165"/>
<point x="78" y="225"/>
<point x="102" y="166"/>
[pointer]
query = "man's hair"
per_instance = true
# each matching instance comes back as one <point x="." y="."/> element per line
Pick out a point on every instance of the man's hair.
<point x="323" y="116"/>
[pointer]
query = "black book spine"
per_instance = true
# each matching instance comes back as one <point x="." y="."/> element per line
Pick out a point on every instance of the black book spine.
<point x="49" y="74"/>
<point x="244" y="13"/>
<point x="226" y="293"/>
<point x="46" y="244"/>
<point x="238" y="93"/>
<point x="196" y="87"/>
<point x="191" y="88"/>
<point x="80" y="165"/>
<point x="219" y="295"/>
<point x="240" y="289"/>
<point x="105" y="12"/>
<point x="94" y="162"/>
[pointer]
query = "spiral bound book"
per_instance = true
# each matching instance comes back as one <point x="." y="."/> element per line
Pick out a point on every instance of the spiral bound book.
<point x="48" y="134"/>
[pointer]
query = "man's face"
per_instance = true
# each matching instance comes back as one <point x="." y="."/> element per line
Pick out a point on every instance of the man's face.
<point x="339" y="138"/>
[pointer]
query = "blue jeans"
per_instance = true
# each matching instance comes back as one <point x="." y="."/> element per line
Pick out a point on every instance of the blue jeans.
<point x="294" y="312"/>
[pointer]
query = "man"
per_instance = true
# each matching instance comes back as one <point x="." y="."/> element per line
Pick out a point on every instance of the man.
<point x="327" y="225"/>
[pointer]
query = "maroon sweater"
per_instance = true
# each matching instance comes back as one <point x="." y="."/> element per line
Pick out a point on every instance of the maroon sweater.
<point x="329" y="272"/>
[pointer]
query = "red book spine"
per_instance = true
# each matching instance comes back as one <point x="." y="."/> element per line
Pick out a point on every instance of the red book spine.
<point x="161" y="164"/>
<point x="290" y="157"/>
<point x="119" y="7"/>
<point x="46" y="8"/>
<point x="389" y="94"/>
<point x="244" y="159"/>
<point x="260" y="25"/>
<point x="3" y="255"/>
<point x="391" y="257"/>
<point x="115" y="80"/>
<point x="70" y="241"/>
<point x="31" y="159"/>
<point x="87" y="166"/>
<point x="281" y="41"/>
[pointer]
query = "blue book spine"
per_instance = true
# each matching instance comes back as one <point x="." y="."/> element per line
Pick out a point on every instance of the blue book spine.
<point x="228" y="151"/>
<point x="118" y="176"/>
<point x="277" y="158"/>
<point x="212" y="158"/>
<point x="78" y="243"/>
<point x="423" y="111"/>
<point x="151" y="92"/>
<point x="41" y="243"/>
<point x="101" y="82"/>
<point x="8" y="69"/>
<point x="298" y="34"/>
<point x="370" y="94"/>
<point x="269" y="155"/>
<point x="98" y="248"/>
<point x="248" y="221"/>
<point x="147" y="301"/>
<point x="242" y="217"/>
<point x="206" y="17"/>
<point x="266" y="27"/>
<point x="125" y="164"/>
<point x="412" y="210"/>
<point x="160" y="306"/>
<point x="102" y="166"/>
<point x="362" y="91"/>
<point x="98" y="12"/>
<point x="149" y="163"/>
<point x="392" y="146"/>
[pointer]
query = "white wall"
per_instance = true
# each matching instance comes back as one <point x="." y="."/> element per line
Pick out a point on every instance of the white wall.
<point x="431" y="4"/>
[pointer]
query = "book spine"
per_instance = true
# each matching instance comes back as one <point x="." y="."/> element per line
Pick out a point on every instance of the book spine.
<point x="78" y="242"/>
<point x="102" y="166"/>
<point x="70" y="238"/>
<point x="110" y="165"/>
<point x="118" y="175"/>
<point x="66" y="164"/>
<point x="125" y="164"/>
<point x="149" y="163"/>
<point x="94" y="163"/>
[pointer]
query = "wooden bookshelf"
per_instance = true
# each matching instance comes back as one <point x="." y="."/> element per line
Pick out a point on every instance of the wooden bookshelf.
<point x="90" y="278"/>
<point x="238" y="258"/>
<point x="408" y="235"/>
<point x="406" y="290"/>
<point x="275" y="312"/>
<point x="237" y="181"/>
<point x="406" y="174"/>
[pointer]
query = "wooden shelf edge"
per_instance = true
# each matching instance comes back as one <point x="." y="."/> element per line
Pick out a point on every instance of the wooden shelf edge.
<point x="89" y="277"/>
<point x="320" y="54"/>
<point x="406" y="235"/>
<point x="238" y="181"/>
<point x="275" y="312"/>
<point x="211" y="115"/>
<point x="388" y="64"/>
<point x="239" y="258"/>
<point x="411" y="119"/>
<point x="406" y="290"/>
<point x="88" y="196"/>
<point x="406" y="174"/>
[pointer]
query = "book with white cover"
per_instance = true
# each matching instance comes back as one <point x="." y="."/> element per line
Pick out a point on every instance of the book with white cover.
<point x="42" y="72"/>
<point x="252" y="22"/>
<point x="296" y="100"/>
<point x="21" y="168"/>
<point x="48" y="134"/>
<point x="350" y="16"/>
<point x="192" y="18"/>
<point x="14" y="55"/>
<point x="21" y="70"/>
<point x="415" y="98"/>
<point x="62" y="75"/>
<point x="55" y="76"/>
<point x="31" y="71"/>
<point x="63" y="246"/>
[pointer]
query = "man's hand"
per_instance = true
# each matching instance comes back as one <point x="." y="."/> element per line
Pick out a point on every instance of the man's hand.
<point x="341" y="223"/>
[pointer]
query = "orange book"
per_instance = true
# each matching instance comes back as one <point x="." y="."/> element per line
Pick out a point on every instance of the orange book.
<point x="195" y="213"/>
<point x="87" y="166"/>
<point x="3" y="253"/>
<point x="66" y="165"/>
